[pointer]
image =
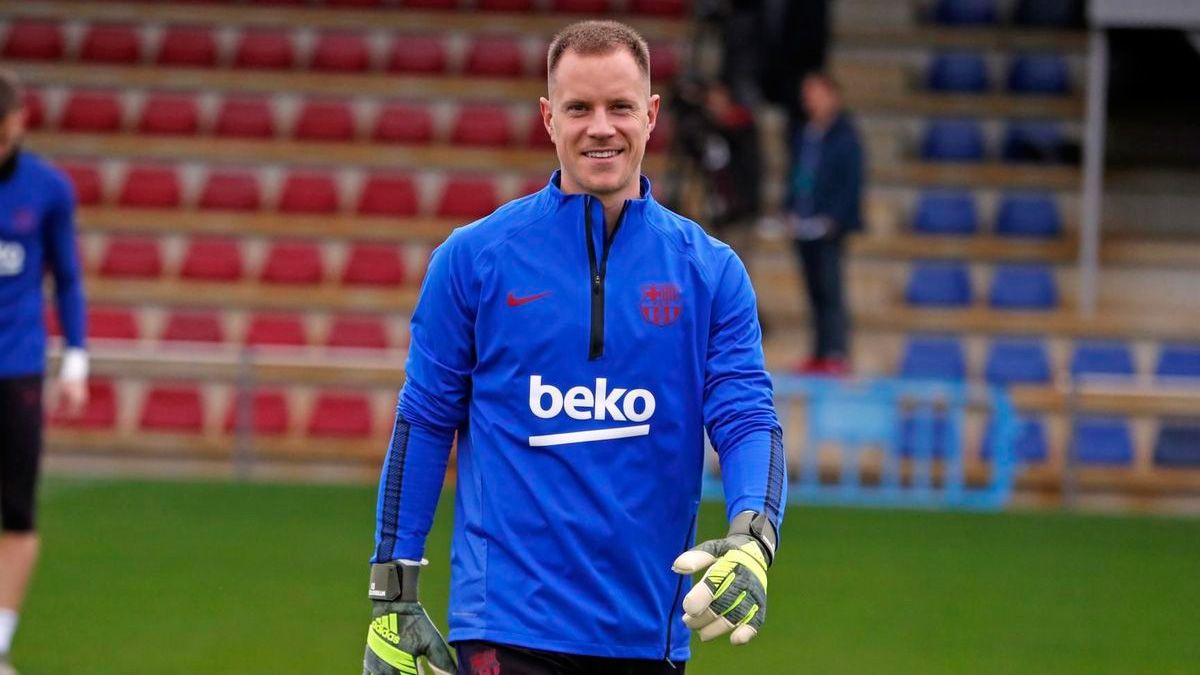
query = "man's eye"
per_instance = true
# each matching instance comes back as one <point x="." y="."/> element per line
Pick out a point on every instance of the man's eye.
<point x="576" y="107"/>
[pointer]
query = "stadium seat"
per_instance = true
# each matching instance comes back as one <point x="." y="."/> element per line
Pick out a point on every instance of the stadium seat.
<point x="91" y="112"/>
<point x="1028" y="214"/>
<point x="131" y="257"/>
<point x="1033" y="141"/>
<point x="467" y="197"/>
<point x="309" y="192"/>
<point x="100" y="413"/>
<point x="1102" y="440"/>
<point x="374" y="265"/>
<point x="494" y="56"/>
<point x="1023" y="287"/>
<point x="150" y="187"/>
<point x="965" y="12"/>
<point x="268" y="49"/>
<point x="1178" y="444"/>
<point x="1029" y="446"/>
<point x="946" y="212"/>
<point x="669" y="8"/>
<point x="537" y="136"/>
<point x="1097" y="357"/>
<point x="268" y="412"/>
<point x="417" y="54"/>
<point x="664" y="62"/>
<point x="1049" y="13"/>
<point x="35" y="109"/>
<point x="293" y="262"/>
<point x="403" y="123"/>
<point x="934" y="358"/>
<point x="1017" y="361"/>
<point x="192" y="46"/>
<point x="938" y="284"/>
<point x="505" y="5"/>
<point x="340" y="414"/>
<point x="85" y="178"/>
<point x="958" y="72"/>
<point x="111" y="43"/>
<point x="1038" y="74"/>
<point x="193" y="326"/>
<point x="1178" y="361"/>
<point x="482" y="124"/>
<point x="176" y="407"/>
<point x="353" y="3"/>
<point x="34" y="40"/>
<point x="112" y="323"/>
<point x="245" y="118"/>
<point x="231" y="190"/>
<point x="341" y="52"/>
<point x="581" y="6"/>
<point x="386" y="194"/>
<point x="430" y="4"/>
<point x="953" y="141"/>
<point x="212" y="259"/>
<point x="276" y="329"/>
<point x="325" y="121"/>
<point x="364" y="332"/>
<point x="936" y="434"/>
<point x="170" y="114"/>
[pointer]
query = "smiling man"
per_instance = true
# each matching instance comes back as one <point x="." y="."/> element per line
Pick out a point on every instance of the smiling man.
<point x="580" y="342"/>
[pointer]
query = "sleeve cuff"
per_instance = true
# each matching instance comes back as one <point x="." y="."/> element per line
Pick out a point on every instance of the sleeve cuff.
<point x="74" y="364"/>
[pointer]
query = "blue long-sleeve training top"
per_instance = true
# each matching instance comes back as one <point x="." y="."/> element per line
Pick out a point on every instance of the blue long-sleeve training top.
<point x="580" y="371"/>
<point x="37" y="231"/>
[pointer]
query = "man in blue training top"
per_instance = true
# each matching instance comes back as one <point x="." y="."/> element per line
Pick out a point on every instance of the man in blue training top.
<point x="579" y="342"/>
<point x="37" y="230"/>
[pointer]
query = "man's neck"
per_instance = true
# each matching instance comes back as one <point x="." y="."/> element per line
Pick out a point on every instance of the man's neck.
<point x="612" y="212"/>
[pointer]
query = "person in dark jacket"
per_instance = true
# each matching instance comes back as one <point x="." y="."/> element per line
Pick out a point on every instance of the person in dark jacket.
<point x="824" y="205"/>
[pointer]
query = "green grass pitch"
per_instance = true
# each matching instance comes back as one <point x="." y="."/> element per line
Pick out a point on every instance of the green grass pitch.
<point x="159" y="578"/>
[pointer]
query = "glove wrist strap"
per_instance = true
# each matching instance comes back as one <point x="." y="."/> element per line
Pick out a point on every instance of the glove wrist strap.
<point x="394" y="581"/>
<point x="760" y="528"/>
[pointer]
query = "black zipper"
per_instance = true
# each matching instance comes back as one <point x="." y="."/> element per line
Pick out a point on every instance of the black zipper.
<point x="598" y="268"/>
<point x="678" y="587"/>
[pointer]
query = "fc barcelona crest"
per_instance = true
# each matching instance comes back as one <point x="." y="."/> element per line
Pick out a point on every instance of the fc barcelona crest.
<point x="662" y="303"/>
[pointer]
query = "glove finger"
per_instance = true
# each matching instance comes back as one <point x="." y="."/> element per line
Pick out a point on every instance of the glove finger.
<point x="690" y="562"/>
<point x="439" y="657"/>
<point x="698" y="599"/>
<point x="717" y="628"/>
<point x="698" y="621"/>
<point x="743" y="634"/>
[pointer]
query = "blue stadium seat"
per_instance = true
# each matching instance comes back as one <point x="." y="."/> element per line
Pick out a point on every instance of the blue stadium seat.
<point x="959" y="140"/>
<point x="946" y="212"/>
<point x="1029" y="446"/>
<point x="939" y="284"/>
<point x="1038" y="74"/>
<point x="1033" y="141"/>
<point x="965" y="12"/>
<point x="1017" y="360"/>
<point x="1178" y="445"/>
<point x="1023" y="287"/>
<point x="958" y="72"/>
<point x="1028" y="214"/>
<point x="1049" y="13"/>
<point x="933" y="358"/>
<point x="1100" y="357"/>
<point x="1103" y="440"/>
<point x="1179" y="361"/>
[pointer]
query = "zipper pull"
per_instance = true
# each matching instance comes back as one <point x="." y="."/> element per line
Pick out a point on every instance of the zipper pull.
<point x="596" y="284"/>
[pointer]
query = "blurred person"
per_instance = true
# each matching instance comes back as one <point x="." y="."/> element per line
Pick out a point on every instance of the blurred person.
<point x="734" y="165"/>
<point x="824" y="205"/>
<point x="37" y="231"/>
<point x="580" y="341"/>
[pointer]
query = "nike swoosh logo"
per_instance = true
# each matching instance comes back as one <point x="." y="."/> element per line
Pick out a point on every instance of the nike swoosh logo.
<point x="514" y="301"/>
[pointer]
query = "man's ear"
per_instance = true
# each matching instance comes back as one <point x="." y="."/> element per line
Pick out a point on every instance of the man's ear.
<point x="547" y="117"/>
<point x="652" y="111"/>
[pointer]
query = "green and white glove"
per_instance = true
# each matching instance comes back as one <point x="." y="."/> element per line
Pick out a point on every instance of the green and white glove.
<point x="732" y="594"/>
<point x="400" y="630"/>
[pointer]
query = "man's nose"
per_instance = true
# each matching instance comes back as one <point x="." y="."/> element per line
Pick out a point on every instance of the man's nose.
<point x="600" y="125"/>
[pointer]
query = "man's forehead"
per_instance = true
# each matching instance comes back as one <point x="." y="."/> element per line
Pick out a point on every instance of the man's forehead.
<point x="613" y="74"/>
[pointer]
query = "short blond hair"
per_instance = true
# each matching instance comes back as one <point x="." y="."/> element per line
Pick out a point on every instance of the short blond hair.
<point x="595" y="38"/>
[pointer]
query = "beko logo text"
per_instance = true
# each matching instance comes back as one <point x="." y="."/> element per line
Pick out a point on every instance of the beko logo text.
<point x="598" y="403"/>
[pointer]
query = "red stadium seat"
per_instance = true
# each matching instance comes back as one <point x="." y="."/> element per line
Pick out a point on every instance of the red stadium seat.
<point x="274" y="329"/>
<point x="177" y="407"/>
<point x="374" y="265"/>
<point x="538" y="136"/>
<point x="35" y="109"/>
<point x="388" y="195"/>
<point x="193" y="46"/>
<point x="101" y="410"/>
<point x="150" y="187"/>
<point x="193" y="326"/>
<point x="404" y="123"/>
<point x="659" y="7"/>
<point x="417" y="54"/>
<point x="34" y="40"/>
<point x="531" y="185"/>
<point x="430" y="4"/>
<point x="265" y="49"/>
<point x="341" y="52"/>
<point x="91" y="112"/>
<point x="309" y="193"/>
<point x="482" y="124"/>
<point x="245" y="118"/>
<point x="268" y="412"/>
<point x="581" y="6"/>
<point x="493" y="56"/>
<point x="354" y="3"/>
<point x="293" y="262"/>
<point x="664" y="62"/>
<point x="131" y="257"/>
<point x="325" y="121"/>
<point x="111" y="43"/>
<point x="232" y="190"/>
<point x="85" y="178"/>
<point x="506" y="5"/>
<point x="340" y="414"/>
<point x="112" y="323"/>
<point x="170" y="114"/>
<point x="212" y="260"/>
<point x="464" y="197"/>
<point x="363" y="332"/>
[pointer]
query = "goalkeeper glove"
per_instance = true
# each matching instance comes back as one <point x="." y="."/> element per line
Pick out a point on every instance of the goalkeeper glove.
<point x="732" y="594"/>
<point x="400" y="630"/>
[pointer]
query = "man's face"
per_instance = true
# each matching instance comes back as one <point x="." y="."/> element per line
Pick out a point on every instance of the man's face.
<point x="820" y="101"/>
<point x="12" y="127"/>
<point x="600" y="114"/>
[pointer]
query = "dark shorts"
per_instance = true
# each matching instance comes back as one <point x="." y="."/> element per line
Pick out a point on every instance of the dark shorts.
<point x="20" y="450"/>
<point x="486" y="658"/>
